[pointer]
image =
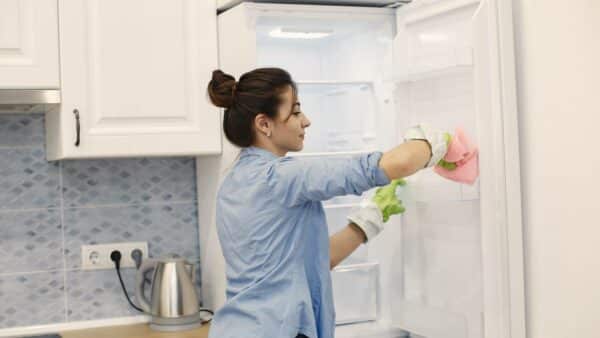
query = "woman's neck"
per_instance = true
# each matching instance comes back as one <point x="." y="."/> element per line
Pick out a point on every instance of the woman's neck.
<point x="269" y="146"/>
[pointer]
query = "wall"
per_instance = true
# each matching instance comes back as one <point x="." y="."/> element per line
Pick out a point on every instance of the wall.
<point x="558" y="56"/>
<point x="49" y="209"/>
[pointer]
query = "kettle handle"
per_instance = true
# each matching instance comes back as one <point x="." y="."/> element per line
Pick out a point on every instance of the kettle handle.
<point x="140" y="280"/>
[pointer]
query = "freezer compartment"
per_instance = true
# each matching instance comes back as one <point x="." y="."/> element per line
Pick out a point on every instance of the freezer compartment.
<point x="356" y="292"/>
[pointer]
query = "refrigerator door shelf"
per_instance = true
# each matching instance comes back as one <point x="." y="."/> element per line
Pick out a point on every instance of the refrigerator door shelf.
<point x="433" y="73"/>
<point x="427" y="186"/>
<point x="433" y="40"/>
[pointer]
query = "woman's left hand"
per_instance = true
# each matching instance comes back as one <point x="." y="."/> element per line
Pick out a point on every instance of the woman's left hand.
<point x="372" y="213"/>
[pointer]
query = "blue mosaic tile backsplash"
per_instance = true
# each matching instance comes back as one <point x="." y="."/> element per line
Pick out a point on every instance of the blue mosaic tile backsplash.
<point x="49" y="209"/>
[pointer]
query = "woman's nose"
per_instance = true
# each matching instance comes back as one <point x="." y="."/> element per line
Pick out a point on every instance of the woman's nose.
<point x="306" y="122"/>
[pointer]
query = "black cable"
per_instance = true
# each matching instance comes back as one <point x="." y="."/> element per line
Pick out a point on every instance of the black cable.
<point x="115" y="256"/>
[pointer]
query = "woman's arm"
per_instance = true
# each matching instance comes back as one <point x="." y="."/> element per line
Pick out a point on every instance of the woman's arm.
<point x="343" y="243"/>
<point x="405" y="159"/>
<point x="402" y="161"/>
<point x="298" y="181"/>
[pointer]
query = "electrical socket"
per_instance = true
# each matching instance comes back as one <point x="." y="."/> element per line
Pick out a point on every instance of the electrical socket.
<point x="95" y="257"/>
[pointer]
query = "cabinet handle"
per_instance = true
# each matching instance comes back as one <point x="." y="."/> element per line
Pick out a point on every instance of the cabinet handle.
<point x="77" y="126"/>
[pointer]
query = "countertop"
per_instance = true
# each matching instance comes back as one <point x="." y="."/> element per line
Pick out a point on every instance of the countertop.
<point x="135" y="331"/>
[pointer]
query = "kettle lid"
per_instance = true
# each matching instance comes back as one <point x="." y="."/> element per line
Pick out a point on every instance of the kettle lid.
<point x="171" y="258"/>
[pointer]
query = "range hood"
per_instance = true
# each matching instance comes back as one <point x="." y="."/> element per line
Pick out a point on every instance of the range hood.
<point x="21" y="101"/>
<point x="223" y="5"/>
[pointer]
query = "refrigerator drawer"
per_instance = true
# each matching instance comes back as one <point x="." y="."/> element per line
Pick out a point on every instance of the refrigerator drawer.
<point x="356" y="292"/>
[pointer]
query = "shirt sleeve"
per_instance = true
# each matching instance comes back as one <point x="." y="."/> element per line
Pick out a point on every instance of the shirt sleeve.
<point x="297" y="180"/>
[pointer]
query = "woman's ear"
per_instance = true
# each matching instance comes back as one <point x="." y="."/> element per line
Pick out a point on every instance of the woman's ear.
<point x="263" y="124"/>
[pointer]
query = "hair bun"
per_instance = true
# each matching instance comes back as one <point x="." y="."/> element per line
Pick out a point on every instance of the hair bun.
<point x="221" y="89"/>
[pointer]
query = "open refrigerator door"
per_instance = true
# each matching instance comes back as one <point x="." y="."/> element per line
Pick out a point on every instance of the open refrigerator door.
<point x="434" y="278"/>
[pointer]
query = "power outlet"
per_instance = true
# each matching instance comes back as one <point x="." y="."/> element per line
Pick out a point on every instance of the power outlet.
<point x="94" y="257"/>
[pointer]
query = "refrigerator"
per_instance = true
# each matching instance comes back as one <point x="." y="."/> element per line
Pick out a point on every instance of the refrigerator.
<point x="451" y="266"/>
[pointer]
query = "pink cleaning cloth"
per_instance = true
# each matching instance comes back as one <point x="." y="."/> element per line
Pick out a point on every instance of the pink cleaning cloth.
<point x="464" y="153"/>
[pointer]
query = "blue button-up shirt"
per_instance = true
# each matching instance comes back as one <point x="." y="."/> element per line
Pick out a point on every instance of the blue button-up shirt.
<point x="274" y="236"/>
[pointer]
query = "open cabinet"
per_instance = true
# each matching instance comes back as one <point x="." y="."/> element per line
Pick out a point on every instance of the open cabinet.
<point x="451" y="265"/>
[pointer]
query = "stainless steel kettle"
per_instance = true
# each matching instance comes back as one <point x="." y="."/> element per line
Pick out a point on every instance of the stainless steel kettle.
<point x="173" y="302"/>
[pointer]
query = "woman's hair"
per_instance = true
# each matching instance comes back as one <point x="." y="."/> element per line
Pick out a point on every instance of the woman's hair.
<point x="258" y="91"/>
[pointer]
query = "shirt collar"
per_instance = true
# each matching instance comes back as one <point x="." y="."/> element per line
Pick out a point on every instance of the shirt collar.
<point x="257" y="151"/>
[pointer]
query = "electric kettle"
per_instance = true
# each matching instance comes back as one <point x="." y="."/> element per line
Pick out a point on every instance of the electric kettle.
<point x="173" y="302"/>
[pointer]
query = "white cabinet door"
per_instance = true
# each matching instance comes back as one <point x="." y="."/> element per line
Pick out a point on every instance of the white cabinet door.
<point x="28" y="44"/>
<point x="136" y="73"/>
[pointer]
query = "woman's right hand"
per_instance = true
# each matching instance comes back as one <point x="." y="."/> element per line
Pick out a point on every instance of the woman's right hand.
<point x="423" y="147"/>
<point x="438" y="141"/>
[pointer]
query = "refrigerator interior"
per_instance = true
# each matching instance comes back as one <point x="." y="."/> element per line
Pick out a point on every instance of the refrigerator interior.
<point x="364" y="77"/>
<point x="337" y="82"/>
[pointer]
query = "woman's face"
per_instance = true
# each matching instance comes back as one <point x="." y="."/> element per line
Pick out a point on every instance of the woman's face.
<point x="290" y="123"/>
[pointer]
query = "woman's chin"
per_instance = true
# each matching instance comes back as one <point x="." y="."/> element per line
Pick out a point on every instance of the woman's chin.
<point x="295" y="147"/>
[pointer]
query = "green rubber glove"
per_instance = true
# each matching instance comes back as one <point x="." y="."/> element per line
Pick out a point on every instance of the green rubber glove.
<point x="386" y="200"/>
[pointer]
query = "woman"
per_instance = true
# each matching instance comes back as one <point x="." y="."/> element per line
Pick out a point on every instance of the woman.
<point x="270" y="220"/>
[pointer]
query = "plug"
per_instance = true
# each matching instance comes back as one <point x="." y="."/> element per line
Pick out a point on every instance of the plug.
<point x="115" y="256"/>
<point x="136" y="255"/>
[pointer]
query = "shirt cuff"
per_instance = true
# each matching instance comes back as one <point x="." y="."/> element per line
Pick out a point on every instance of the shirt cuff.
<point x="378" y="177"/>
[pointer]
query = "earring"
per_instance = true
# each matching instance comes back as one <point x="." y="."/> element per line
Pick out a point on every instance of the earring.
<point x="269" y="133"/>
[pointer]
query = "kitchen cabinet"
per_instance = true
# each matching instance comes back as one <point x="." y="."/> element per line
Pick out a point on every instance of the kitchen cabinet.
<point x="133" y="80"/>
<point x="29" y="44"/>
